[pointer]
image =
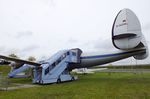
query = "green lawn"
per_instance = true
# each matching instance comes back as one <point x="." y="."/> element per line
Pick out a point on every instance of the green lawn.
<point x="90" y="86"/>
<point x="146" y="66"/>
<point x="4" y="70"/>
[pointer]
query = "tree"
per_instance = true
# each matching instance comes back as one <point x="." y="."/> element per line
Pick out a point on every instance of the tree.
<point x="13" y="55"/>
<point x="29" y="72"/>
<point x="31" y="58"/>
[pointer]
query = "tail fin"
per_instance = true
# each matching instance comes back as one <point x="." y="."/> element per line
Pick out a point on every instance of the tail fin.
<point x="126" y="33"/>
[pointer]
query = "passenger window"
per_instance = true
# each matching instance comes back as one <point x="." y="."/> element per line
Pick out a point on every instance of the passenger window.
<point x="59" y="60"/>
<point x="63" y="56"/>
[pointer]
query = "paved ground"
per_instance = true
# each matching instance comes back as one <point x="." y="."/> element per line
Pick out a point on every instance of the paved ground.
<point x="18" y="86"/>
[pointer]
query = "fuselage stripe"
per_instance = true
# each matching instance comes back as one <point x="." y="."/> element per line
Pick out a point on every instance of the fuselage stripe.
<point x="107" y="55"/>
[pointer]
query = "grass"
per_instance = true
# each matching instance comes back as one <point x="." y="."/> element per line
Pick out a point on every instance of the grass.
<point x="146" y="66"/>
<point x="90" y="86"/>
<point x="5" y="69"/>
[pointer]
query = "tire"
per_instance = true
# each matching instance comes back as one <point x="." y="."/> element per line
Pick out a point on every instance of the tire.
<point x="72" y="79"/>
<point x="58" y="80"/>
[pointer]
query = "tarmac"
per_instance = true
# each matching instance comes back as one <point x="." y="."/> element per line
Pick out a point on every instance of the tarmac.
<point x="18" y="86"/>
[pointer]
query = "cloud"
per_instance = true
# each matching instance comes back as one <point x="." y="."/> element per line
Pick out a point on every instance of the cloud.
<point x="2" y="48"/>
<point x="71" y="40"/>
<point x="21" y="52"/>
<point x="42" y="58"/>
<point x="146" y="27"/>
<point x="50" y="23"/>
<point x="51" y="3"/>
<point x="24" y="34"/>
<point x="30" y="48"/>
<point x="6" y="50"/>
<point x="103" y="44"/>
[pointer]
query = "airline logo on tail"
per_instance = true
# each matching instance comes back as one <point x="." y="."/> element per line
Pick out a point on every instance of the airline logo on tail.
<point x="124" y="22"/>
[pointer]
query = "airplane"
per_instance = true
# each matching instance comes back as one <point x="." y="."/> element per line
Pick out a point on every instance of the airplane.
<point x="127" y="38"/>
<point x="4" y="62"/>
<point x="87" y="70"/>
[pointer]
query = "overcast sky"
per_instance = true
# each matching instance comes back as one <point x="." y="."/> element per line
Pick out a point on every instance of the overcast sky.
<point x="40" y="28"/>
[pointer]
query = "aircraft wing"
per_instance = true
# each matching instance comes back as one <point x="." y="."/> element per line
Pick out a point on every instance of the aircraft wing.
<point x="19" y="60"/>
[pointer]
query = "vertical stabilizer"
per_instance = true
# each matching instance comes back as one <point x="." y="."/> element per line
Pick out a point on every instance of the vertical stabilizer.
<point x="127" y="34"/>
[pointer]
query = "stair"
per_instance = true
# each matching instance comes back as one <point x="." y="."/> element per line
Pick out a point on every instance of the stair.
<point x="55" y="69"/>
<point x="15" y="72"/>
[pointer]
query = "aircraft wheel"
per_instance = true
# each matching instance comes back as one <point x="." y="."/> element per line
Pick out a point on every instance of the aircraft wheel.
<point x="58" y="80"/>
<point x="72" y="79"/>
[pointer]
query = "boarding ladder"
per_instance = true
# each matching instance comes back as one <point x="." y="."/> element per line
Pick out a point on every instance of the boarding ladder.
<point x="15" y="72"/>
<point x="55" y="69"/>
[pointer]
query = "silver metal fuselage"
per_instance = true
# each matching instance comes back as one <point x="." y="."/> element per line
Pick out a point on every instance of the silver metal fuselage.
<point x="94" y="60"/>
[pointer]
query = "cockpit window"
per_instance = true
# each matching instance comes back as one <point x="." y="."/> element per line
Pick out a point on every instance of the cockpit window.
<point x="73" y="53"/>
